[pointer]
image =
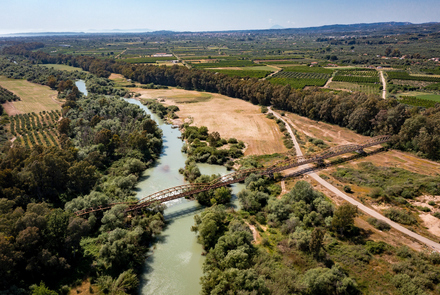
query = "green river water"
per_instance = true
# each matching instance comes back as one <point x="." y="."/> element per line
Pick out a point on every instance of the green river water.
<point x="174" y="264"/>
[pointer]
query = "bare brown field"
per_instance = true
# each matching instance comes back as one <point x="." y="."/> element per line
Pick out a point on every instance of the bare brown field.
<point x="34" y="97"/>
<point x="229" y="116"/>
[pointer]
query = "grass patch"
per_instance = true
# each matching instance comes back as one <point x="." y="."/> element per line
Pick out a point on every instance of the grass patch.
<point x="34" y="97"/>
<point x="201" y="97"/>
<point x="394" y="182"/>
<point x="62" y="67"/>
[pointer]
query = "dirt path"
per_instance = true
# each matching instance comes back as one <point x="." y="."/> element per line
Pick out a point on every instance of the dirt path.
<point x="255" y="233"/>
<point x="328" y="82"/>
<point x="384" y="85"/>
<point x="273" y="74"/>
<point x="120" y="53"/>
<point x="369" y="211"/>
<point x="283" y="189"/>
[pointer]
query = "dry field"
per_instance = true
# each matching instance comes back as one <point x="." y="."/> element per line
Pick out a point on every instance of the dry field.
<point x="229" y="116"/>
<point x="34" y="97"/>
<point x="334" y="135"/>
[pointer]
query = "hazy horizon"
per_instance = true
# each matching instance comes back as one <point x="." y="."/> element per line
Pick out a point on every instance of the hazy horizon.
<point x="26" y="16"/>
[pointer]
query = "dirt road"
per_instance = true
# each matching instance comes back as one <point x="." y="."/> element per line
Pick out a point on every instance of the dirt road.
<point x="431" y="244"/>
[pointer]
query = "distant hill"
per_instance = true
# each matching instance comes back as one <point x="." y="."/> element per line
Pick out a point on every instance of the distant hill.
<point x="276" y="27"/>
<point x="357" y="29"/>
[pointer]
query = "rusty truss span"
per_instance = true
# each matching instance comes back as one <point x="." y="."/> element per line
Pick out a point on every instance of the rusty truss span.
<point x="240" y="175"/>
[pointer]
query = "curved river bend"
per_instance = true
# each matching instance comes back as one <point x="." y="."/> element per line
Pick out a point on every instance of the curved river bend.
<point x="174" y="265"/>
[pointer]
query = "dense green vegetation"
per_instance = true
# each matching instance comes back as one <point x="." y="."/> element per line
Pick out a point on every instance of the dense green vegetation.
<point x="105" y="143"/>
<point x="307" y="246"/>
<point x="418" y="102"/>
<point x="197" y="140"/>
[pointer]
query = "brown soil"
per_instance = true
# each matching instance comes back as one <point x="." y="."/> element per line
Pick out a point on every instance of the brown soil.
<point x="84" y="289"/>
<point x="255" y="234"/>
<point x="229" y="116"/>
<point x="432" y="223"/>
<point x="10" y="109"/>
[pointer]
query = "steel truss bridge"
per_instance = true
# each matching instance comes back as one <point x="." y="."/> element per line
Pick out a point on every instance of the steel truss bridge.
<point x="238" y="176"/>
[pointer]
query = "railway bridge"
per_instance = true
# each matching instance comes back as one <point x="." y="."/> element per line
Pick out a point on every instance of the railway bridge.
<point x="240" y="175"/>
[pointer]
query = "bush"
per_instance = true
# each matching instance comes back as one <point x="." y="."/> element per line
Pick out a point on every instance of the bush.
<point x="264" y="109"/>
<point x="431" y="203"/>
<point x="376" y="247"/>
<point x="347" y="189"/>
<point x="424" y="209"/>
<point x="379" y="224"/>
<point x="376" y="193"/>
<point x="436" y="214"/>
<point x="400" y="216"/>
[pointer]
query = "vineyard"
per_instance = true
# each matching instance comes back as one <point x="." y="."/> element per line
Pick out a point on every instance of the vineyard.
<point x="6" y="95"/>
<point x="307" y="69"/>
<point x="300" y="80"/>
<point x="243" y="73"/>
<point x="398" y="75"/>
<point x="367" y="88"/>
<point x="357" y="76"/>
<point x="35" y="129"/>
<point x="418" y="102"/>
<point x="224" y="64"/>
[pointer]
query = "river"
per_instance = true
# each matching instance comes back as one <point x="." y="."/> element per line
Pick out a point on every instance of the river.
<point x="174" y="263"/>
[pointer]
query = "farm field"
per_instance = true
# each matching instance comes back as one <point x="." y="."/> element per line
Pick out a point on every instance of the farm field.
<point x="34" y="97"/>
<point x="364" y="88"/>
<point x="62" y="67"/>
<point x="228" y="116"/>
<point x="35" y="129"/>
<point x="299" y="80"/>
<point x="242" y="73"/>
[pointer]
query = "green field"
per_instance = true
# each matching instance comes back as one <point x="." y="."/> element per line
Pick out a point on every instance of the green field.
<point x="242" y="73"/>
<point x="62" y="67"/>
<point x="422" y="95"/>
<point x="357" y="87"/>
<point x="34" y="97"/>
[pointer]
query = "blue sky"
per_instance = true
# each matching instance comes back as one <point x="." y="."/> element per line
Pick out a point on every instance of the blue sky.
<point x="197" y="15"/>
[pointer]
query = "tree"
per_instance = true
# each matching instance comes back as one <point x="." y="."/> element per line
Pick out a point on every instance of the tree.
<point x="343" y="217"/>
<point x="64" y="126"/>
<point x="316" y="241"/>
<point x="126" y="282"/>
<point x="213" y="138"/>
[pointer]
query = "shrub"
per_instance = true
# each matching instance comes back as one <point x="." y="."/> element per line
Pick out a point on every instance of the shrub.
<point x="264" y="109"/>
<point x="436" y="214"/>
<point x="379" y="224"/>
<point x="232" y="140"/>
<point x="401" y="216"/>
<point x="424" y="209"/>
<point x="376" y="193"/>
<point x="347" y="189"/>
<point x="431" y="203"/>
<point x="376" y="247"/>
